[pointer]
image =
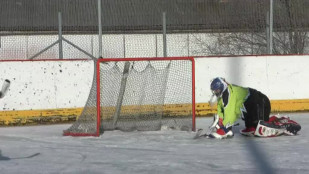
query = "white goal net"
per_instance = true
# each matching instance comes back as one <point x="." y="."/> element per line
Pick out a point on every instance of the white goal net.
<point x="143" y="94"/>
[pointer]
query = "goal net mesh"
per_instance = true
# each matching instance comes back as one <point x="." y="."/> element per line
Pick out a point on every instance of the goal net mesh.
<point x="138" y="95"/>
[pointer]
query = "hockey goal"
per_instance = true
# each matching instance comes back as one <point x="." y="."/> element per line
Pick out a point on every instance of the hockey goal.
<point x="139" y="94"/>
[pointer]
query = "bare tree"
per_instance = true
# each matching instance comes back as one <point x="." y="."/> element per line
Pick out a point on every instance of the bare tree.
<point x="289" y="36"/>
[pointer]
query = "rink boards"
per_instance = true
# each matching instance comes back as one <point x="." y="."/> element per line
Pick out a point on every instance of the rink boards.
<point x="52" y="91"/>
<point x="64" y="115"/>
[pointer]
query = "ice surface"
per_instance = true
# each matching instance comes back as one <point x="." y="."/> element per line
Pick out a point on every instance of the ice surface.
<point x="43" y="149"/>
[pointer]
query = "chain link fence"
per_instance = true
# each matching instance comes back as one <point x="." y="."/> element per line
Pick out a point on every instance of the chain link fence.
<point x="69" y="29"/>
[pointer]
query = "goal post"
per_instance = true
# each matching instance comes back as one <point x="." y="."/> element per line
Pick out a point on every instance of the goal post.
<point x="144" y="94"/>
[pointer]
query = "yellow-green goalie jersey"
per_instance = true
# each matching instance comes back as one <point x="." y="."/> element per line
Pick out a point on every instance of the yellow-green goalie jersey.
<point x="231" y="104"/>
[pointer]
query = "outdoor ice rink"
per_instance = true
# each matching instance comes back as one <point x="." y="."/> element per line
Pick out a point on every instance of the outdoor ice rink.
<point x="43" y="150"/>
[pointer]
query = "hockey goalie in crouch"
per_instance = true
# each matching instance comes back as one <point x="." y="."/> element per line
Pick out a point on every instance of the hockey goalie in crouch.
<point x="252" y="106"/>
<point x="5" y="88"/>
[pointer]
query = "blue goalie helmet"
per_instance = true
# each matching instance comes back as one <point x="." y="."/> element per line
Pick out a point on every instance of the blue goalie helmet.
<point x="217" y="86"/>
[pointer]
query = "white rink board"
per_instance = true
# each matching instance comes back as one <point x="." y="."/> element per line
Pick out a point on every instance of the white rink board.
<point x="66" y="84"/>
<point x="279" y="77"/>
<point x="46" y="84"/>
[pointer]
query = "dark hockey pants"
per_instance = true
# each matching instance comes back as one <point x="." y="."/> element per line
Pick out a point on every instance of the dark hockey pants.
<point x="258" y="108"/>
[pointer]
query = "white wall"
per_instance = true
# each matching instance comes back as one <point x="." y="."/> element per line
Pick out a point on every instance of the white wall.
<point x="46" y="84"/>
<point x="279" y="77"/>
<point x="66" y="84"/>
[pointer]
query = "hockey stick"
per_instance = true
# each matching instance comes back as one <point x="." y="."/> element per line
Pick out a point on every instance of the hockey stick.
<point x="208" y="133"/>
<point x="210" y="128"/>
<point x="5" y="88"/>
<point x="199" y="133"/>
<point x="5" y="158"/>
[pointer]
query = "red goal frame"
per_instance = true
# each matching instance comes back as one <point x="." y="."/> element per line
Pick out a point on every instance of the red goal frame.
<point x="97" y="71"/>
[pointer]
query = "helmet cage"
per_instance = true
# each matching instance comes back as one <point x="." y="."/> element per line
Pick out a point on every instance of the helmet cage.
<point x="217" y="87"/>
<point x="216" y="92"/>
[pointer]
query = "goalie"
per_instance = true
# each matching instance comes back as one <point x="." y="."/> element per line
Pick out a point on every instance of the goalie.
<point x="252" y="106"/>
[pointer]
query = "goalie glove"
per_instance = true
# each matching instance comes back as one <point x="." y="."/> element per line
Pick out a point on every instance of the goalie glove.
<point x="219" y="131"/>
